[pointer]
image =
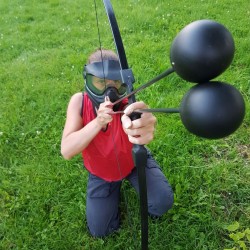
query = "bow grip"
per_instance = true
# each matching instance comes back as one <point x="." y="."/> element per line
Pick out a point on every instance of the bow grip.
<point x="134" y="116"/>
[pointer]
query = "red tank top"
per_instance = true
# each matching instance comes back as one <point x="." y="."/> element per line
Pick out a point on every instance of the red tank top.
<point x="108" y="155"/>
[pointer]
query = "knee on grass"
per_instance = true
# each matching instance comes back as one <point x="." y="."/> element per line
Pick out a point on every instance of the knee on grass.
<point x="161" y="204"/>
<point x="100" y="230"/>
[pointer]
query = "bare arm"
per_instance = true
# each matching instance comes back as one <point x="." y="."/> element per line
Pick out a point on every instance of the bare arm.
<point x="75" y="137"/>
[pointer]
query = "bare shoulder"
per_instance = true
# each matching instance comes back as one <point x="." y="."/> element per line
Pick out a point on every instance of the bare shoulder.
<point x="73" y="120"/>
<point x="75" y="102"/>
<point x="77" y="98"/>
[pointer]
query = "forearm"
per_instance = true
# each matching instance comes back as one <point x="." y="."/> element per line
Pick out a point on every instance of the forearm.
<point x="77" y="141"/>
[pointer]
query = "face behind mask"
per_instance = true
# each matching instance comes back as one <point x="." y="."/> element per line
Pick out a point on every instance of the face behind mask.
<point x="104" y="79"/>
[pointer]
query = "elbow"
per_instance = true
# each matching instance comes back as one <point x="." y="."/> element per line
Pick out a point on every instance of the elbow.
<point x="65" y="155"/>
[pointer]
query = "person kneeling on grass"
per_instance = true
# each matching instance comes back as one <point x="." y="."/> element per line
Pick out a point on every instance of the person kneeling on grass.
<point x="106" y="141"/>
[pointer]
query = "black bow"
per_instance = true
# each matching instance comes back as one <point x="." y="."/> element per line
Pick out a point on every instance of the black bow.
<point x="139" y="152"/>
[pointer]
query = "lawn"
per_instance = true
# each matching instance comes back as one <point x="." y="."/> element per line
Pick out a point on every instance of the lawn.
<point x="43" y="47"/>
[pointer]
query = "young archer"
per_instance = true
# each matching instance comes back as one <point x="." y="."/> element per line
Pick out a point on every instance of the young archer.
<point x="105" y="142"/>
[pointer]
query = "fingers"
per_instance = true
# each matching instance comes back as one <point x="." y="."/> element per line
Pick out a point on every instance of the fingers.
<point x="103" y="116"/>
<point x="147" y="119"/>
<point x="126" y="122"/>
<point x="136" y="105"/>
<point x="140" y="131"/>
<point x="141" y="135"/>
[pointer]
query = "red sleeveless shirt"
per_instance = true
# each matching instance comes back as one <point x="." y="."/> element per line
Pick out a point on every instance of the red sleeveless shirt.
<point x="108" y="155"/>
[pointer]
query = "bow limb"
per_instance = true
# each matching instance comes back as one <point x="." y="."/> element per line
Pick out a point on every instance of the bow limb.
<point x="139" y="152"/>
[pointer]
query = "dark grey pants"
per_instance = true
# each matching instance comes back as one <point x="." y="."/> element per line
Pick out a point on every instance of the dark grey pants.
<point x="103" y="198"/>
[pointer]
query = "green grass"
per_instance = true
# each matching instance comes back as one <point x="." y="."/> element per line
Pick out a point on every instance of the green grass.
<point x="43" y="47"/>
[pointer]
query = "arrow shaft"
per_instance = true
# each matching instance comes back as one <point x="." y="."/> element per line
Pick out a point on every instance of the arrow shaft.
<point x="149" y="83"/>
<point x="159" y="110"/>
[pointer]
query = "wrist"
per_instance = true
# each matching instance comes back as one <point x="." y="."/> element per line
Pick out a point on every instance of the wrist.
<point x="100" y="125"/>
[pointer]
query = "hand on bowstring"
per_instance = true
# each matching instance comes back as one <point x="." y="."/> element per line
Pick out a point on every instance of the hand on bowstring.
<point x="139" y="131"/>
<point x="103" y="113"/>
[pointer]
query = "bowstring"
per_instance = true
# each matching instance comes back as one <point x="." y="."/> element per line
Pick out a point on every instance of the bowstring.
<point x="111" y="127"/>
<point x="100" y="42"/>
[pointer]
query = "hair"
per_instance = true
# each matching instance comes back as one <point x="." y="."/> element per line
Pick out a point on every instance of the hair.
<point x="102" y="54"/>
